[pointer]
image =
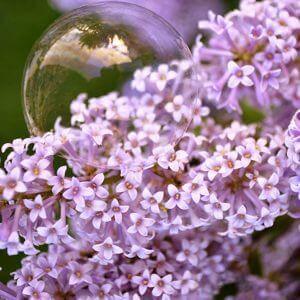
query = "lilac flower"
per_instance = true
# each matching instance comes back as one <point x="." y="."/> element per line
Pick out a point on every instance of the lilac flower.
<point x="103" y="292"/>
<point x="216" y="208"/>
<point x="162" y="76"/>
<point x="295" y="184"/>
<point x="161" y="285"/>
<point x="135" y="142"/>
<point x="287" y="48"/>
<point x="48" y="265"/>
<point x="26" y="275"/>
<point x="142" y="281"/>
<point x="107" y="249"/>
<point x="216" y="23"/>
<point x="230" y="163"/>
<point x="77" y="191"/>
<point x="177" y="198"/>
<point x="152" y="201"/>
<point x="177" y="108"/>
<point x="96" y="211"/>
<point x="116" y="211"/>
<point x="18" y="145"/>
<point x="213" y="167"/>
<point x="266" y="218"/>
<point x="268" y="57"/>
<point x="269" y="190"/>
<point x="58" y="182"/>
<point x="186" y="284"/>
<point x="139" y="251"/>
<point x="92" y="207"/>
<point x="79" y="274"/>
<point x="35" y="291"/>
<point x="256" y="32"/>
<point x="248" y="153"/>
<point x="196" y="188"/>
<point x="139" y="79"/>
<point x="96" y="185"/>
<point x="36" y="169"/>
<point x="36" y="208"/>
<point x="12" y="183"/>
<point x="169" y="158"/>
<point x="12" y="244"/>
<point x="97" y="132"/>
<point x="140" y="224"/>
<point x="52" y="233"/>
<point x="241" y="218"/>
<point x="128" y="185"/>
<point x="239" y="75"/>
<point x="188" y="253"/>
<point x="176" y="225"/>
<point x="270" y="79"/>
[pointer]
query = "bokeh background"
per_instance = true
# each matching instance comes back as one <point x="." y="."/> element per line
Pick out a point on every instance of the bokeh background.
<point x="22" y="22"/>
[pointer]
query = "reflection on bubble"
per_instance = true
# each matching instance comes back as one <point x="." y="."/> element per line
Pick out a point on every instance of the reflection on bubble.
<point x="95" y="50"/>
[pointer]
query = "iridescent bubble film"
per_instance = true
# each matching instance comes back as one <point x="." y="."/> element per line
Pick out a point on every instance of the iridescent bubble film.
<point x="98" y="50"/>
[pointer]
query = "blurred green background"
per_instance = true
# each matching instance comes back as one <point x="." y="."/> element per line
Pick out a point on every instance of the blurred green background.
<point x="22" y="22"/>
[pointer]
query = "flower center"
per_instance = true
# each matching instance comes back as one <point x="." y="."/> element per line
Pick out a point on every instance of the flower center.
<point x="239" y="74"/>
<point x="12" y="184"/>
<point x="128" y="185"/>
<point x="108" y="246"/>
<point x="36" y="171"/>
<point x="99" y="214"/>
<point x="177" y="196"/>
<point x="230" y="164"/>
<point x="172" y="157"/>
<point x="78" y="274"/>
<point x="160" y="283"/>
<point x="75" y="190"/>
<point x="116" y="209"/>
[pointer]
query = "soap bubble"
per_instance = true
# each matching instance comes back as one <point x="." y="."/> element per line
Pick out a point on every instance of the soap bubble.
<point x="103" y="49"/>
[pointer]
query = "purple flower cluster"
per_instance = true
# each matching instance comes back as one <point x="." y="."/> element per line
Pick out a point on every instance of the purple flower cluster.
<point x="252" y="54"/>
<point x="197" y="264"/>
<point x="152" y="194"/>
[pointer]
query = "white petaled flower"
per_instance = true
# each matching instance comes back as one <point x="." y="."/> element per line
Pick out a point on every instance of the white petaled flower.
<point x="189" y="253"/>
<point x="167" y="157"/>
<point x="107" y="249"/>
<point x="139" y="79"/>
<point x="116" y="211"/>
<point x="152" y="201"/>
<point x="142" y="281"/>
<point x="12" y="183"/>
<point x="186" y="283"/>
<point x="239" y="75"/>
<point x="162" y="76"/>
<point x="177" y="198"/>
<point x="140" y="224"/>
<point x="96" y="131"/>
<point x="212" y="166"/>
<point x="161" y="285"/>
<point x="241" y="218"/>
<point x="197" y="188"/>
<point x="177" y="108"/>
<point x="269" y="190"/>
<point x="216" y="208"/>
<point x="36" y="208"/>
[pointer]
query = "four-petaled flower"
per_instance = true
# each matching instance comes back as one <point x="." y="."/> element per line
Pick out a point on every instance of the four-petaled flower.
<point x="36" y="208"/>
<point x="107" y="249"/>
<point x="239" y="75"/>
